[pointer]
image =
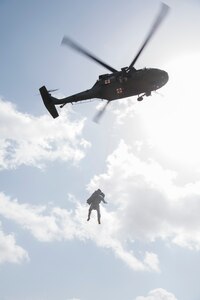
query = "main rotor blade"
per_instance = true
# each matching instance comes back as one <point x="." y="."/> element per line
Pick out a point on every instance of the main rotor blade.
<point x="67" y="41"/>
<point x="100" y="113"/>
<point x="163" y="12"/>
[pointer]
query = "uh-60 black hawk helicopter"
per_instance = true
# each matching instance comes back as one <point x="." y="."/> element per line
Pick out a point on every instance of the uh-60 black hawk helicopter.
<point x="117" y="85"/>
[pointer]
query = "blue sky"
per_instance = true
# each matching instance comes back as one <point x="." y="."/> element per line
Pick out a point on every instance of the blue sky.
<point x="143" y="155"/>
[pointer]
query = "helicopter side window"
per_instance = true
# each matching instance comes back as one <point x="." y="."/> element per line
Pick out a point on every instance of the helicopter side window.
<point x="107" y="81"/>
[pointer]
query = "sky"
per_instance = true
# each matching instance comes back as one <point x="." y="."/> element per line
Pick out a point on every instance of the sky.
<point x="143" y="155"/>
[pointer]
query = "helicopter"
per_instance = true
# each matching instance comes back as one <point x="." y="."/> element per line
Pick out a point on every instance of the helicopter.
<point x="127" y="82"/>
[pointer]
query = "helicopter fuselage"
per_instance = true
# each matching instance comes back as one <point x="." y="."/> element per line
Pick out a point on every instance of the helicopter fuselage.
<point x="120" y="85"/>
<point x="126" y="84"/>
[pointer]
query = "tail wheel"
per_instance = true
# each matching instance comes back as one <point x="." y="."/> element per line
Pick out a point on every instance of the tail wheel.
<point x="140" y="98"/>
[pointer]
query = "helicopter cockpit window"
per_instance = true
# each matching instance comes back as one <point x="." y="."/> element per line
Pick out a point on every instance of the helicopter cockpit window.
<point x="107" y="81"/>
<point x="122" y="79"/>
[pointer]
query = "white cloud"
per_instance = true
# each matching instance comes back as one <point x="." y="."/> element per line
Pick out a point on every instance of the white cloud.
<point x="43" y="226"/>
<point x="10" y="251"/>
<point x="148" y="206"/>
<point x="48" y="224"/>
<point x="158" y="294"/>
<point x="29" y="140"/>
<point x="125" y="108"/>
<point x="148" y="202"/>
<point x="151" y="260"/>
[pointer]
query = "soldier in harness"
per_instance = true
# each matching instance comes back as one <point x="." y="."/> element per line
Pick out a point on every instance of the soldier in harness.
<point x="94" y="201"/>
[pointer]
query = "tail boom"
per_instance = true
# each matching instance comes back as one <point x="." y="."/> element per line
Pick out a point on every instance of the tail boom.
<point x="51" y="102"/>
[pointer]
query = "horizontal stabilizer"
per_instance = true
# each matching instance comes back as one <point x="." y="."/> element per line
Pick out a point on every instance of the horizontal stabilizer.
<point x="48" y="102"/>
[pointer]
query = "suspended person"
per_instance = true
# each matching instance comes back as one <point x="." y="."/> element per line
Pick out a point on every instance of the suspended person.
<point x="94" y="202"/>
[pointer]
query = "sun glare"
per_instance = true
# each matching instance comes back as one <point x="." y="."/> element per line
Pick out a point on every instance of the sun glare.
<point x="173" y="122"/>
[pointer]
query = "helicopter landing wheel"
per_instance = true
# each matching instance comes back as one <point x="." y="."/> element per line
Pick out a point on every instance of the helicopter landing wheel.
<point x="148" y="94"/>
<point x="140" y="98"/>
